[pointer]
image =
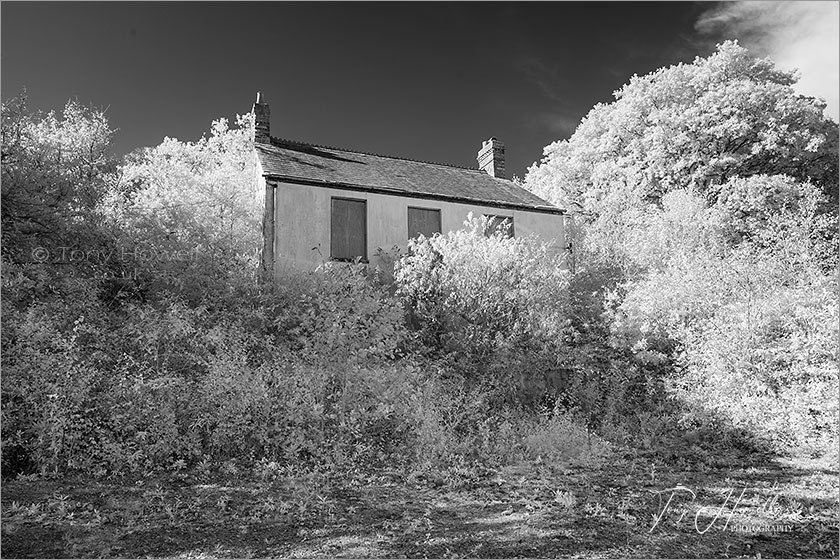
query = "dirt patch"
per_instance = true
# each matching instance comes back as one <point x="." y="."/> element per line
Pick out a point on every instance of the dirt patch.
<point x="627" y="509"/>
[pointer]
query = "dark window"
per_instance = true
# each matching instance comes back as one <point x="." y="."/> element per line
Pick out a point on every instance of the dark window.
<point x="424" y="221"/>
<point x="348" y="229"/>
<point x="496" y="223"/>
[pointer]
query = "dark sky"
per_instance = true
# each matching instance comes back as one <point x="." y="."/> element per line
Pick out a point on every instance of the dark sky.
<point x="421" y="80"/>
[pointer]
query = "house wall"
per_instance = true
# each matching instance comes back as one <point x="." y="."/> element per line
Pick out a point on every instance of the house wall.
<point x="302" y="222"/>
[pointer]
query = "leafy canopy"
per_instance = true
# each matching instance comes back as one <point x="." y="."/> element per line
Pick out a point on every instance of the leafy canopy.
<point x="690" y="126"/>
<point x="56" y="170"/>
<point x="196" y="201"/>
<point x="201" y="192"/>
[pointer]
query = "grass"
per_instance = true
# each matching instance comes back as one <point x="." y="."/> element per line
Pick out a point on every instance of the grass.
<point x="618" y="509"/>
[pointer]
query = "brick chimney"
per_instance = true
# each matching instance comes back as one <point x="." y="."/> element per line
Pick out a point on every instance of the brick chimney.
<point x="262" y="118"/>
<point x="491" y="158"/>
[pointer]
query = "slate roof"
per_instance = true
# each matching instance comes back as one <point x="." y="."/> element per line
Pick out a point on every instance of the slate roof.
<point x="321" y="165"/>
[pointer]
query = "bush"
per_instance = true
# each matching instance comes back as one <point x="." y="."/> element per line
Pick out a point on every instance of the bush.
<point x="560" y="440"/>
<point x="339" y="312"/>
<point x="767" y="364"/>
<point x="302" y="373"/>
<point x="751" y="328"/>
<point x="489" y="303"/>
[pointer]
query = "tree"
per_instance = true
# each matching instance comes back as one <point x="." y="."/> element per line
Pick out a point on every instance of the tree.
<point x="192" y="207"/>
<point x="692" y="127"/>
<point x="713" y="187"/>
<point x="57" y="170"/>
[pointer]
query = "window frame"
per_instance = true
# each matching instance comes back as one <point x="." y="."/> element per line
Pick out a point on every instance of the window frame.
<point x="362" y="258"/>
<point x="511" y="230"/>
<point x="424" y="208"/>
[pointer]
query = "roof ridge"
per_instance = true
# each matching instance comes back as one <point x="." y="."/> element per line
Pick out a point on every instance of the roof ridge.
<point x="377" y="155"/>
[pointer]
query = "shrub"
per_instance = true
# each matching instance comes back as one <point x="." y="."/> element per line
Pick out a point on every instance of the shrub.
<point x="754" y="343"/>
<point x="301" y="374"/>
<point x="767" y="363"/>
<point x="339" y="313"/>
<point x="486" y="302"/>
<point x="561" y="440"/>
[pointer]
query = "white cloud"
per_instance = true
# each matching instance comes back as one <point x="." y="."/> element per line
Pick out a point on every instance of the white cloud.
<point x="546" y="78"/>
<point x="557" y="124"/>
<point x="796" y="35"/>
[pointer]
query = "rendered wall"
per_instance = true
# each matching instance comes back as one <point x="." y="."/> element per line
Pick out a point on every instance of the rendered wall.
<point x="302" y="223"/>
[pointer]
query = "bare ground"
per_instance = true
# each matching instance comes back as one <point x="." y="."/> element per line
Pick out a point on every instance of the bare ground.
<point x="775" y="509"/>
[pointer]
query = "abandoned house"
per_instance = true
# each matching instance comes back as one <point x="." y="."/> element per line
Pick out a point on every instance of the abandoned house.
<point x="324" y="203"/>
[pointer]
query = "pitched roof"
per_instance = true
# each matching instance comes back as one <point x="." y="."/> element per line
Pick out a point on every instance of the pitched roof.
<point x="325" y="166"/>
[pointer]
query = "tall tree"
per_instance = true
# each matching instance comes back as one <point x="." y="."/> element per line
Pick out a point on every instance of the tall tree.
<point x="712" y="187"/>
<point x="194" y="205"/>
<point x="689" y="126"/>
<point x="56" y="171"/>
